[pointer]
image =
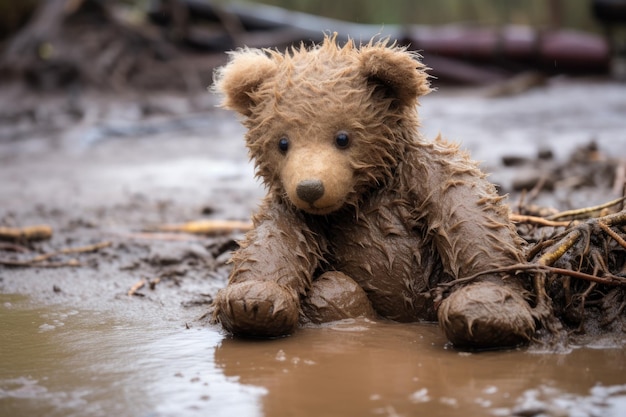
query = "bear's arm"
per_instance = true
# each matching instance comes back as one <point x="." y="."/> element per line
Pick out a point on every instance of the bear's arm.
<point x="280" y="248"/>
<point x="468" y="221"/>
<point x="271" y="271"/>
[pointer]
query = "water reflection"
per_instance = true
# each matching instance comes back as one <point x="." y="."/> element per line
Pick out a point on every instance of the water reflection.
<point x="57" y="361"/>
<point x="365" y="368"/>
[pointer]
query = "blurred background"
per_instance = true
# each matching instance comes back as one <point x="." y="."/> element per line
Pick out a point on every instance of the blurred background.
<point x="174" y="44"/>
<point x="524" y="79"/>
<point x="536" y="13"/>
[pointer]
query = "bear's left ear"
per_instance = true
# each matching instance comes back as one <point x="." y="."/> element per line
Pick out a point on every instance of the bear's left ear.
<point x="247" y="70"/>
<point x="396" y="71"/>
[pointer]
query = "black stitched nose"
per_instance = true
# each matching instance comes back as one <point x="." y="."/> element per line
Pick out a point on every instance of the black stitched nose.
<point x="310" y="190"/>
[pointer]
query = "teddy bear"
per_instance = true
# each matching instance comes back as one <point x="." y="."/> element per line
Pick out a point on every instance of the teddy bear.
<point x="363" y="216"/>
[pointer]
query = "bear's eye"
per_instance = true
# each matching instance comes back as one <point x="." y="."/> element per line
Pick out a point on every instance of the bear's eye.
<point x="283" y="144"/>
<point x="342" y="140"/>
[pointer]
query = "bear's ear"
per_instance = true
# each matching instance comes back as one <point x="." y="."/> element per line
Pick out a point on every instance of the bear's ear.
<point x="396" y="71"/>
<point x="241" y="77"/>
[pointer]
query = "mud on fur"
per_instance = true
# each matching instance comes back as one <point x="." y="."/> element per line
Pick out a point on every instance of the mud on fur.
<point x="363" y="216"/>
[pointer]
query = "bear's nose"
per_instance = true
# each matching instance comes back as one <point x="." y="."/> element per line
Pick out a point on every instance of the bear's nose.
<point x="310" y="190"/>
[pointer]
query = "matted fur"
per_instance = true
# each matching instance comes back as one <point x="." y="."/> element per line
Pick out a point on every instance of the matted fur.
<point x="398" y="214"/>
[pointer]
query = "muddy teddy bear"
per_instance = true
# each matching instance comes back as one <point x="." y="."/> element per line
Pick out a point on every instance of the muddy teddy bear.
<point x="363" y="216"/>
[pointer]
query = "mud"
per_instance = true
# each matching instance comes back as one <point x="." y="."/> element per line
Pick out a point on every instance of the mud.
<point x="62" y="361"/>
<point x="74" y="342"/>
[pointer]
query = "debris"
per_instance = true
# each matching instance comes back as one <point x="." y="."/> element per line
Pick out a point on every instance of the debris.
<point x="207" y="227"/>
<point x="136" y="287"/>
<point x="38" y="261"/>
<point x="24" y="234"/>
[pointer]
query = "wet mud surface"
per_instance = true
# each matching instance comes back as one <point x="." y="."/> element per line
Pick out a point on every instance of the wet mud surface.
<point x="75" y="343"/>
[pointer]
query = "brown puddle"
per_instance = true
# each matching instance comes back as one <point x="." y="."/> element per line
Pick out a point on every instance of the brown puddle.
<point x="58" y="361"/>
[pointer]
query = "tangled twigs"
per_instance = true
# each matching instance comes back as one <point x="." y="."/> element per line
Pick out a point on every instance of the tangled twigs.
<point x="589" y="230"/>
<point x="39" y="261"/>
<point x="557" y="250"/>
<point x="583" y="264"/>
<point x="578" y="266"/>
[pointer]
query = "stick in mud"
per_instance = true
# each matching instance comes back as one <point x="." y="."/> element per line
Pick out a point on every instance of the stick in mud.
<point x="136" y="287"/>
<point x="206" y="227"/>
<point x="25" y="234"/>
<point x="38" y="261"/>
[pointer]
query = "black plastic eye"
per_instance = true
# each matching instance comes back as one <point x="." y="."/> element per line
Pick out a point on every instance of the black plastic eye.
<point x="283" y="144"/>
<point x="342" y="140"/>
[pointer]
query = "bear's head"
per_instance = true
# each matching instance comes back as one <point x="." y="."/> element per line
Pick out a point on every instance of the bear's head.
<point x="326" y="124"/>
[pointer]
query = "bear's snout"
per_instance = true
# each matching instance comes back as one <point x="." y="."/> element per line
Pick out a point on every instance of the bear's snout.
<point x="316" y="178"/>
<point x="310" y="190"/>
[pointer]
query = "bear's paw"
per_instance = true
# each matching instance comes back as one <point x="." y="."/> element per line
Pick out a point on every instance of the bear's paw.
<point x="257" y="309"/>
<point x="486" y="315"/>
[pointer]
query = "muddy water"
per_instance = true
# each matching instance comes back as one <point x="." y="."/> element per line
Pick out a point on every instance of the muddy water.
<point x="59" y="361"/>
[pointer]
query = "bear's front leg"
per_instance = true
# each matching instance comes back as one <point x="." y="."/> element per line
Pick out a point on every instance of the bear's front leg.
<point x="472" y="232"/>
<point x="271" y="271"/>
<point x="257" y="309"/>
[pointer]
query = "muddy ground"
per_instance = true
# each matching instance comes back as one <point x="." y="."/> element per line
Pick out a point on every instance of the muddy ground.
<point x="102" y="168"/>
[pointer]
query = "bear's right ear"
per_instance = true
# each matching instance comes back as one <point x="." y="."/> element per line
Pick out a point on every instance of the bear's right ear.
<point x="241" y="77"/>
<point x="394" y="71"/>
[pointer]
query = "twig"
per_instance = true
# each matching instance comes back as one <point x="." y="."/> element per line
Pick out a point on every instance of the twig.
<point x="136" y="287"/>
<point x="538" y="248"/>
<point x="38" y="260"/>
<point x="511" y="268"/>
<point x="614" y="235"/>
<point x="615" y="219"/>
<point x="207" y="227"/>
<point x="585" y="212"/>
<point x="29" y="233"/>
<point x="78" y="249"/>
<point x="521" y="218"/>
<point x="71" y="262"/>
<point x="609" y="279"/>
<point x="159" y="236"/>
<point x="13" y="247"/>
<point x="563" y="246"/>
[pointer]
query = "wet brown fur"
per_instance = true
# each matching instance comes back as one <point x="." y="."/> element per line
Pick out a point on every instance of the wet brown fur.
<point x="399" y="214"/>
